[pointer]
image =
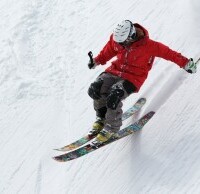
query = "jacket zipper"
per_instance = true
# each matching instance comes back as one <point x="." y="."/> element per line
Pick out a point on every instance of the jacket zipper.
<point x="126" y="62"/>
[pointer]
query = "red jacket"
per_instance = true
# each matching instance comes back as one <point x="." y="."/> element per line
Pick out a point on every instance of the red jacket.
<point x="134" y="62"/>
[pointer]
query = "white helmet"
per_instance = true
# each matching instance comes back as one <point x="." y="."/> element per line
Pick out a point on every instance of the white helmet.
<point x="123" y="31"/>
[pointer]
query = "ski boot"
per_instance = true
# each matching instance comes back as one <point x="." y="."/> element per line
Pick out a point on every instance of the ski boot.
<point x="97" y="127"/>
<point x="103" y="137"/>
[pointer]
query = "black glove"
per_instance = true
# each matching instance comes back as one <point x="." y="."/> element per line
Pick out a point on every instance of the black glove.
<point x="91" y="64"/>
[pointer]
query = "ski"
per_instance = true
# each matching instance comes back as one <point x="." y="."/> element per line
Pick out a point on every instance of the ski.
<point x="92" y="147"/>
<point x="131" y="111"/>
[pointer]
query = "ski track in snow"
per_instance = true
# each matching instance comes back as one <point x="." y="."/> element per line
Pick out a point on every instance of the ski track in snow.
<point x="38" y="180"/>
<point x="44" y="102"/>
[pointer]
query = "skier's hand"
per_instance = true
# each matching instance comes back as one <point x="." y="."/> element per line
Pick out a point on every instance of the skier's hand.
<point x="191" y="67"/>
<point x="92" y="64"/>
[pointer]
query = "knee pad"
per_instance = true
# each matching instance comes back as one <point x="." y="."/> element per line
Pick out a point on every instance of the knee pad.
<point x="114" y="97"/>
<point x="95" y="88"/>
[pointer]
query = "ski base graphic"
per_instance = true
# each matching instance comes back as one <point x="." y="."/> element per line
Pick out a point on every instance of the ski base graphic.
<point x="91" y="147"/>
<point x="130" y="112"/>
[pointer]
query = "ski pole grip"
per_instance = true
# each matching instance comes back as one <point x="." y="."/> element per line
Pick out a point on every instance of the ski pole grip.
<point x="90" y="54"/>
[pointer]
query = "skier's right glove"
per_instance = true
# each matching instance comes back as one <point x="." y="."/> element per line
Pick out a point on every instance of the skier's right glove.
<point x="92" y="64"/>
<point x="191" y="67"/>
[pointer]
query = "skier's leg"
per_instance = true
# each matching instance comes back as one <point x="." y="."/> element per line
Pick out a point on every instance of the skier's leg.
<point x="119" y="91"/>
<point x="98" y="90"/>
<point x="114" y="106"/>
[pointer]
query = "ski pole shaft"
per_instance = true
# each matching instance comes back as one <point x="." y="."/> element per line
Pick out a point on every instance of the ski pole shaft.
<point x="197" y="61"/>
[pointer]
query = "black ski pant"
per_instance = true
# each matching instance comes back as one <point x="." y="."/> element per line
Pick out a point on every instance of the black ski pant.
<point x="106" y="90"/>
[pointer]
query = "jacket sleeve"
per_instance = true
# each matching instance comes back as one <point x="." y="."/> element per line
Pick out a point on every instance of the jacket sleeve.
<point x="106" y="53"/>
<point x="160" y="50"/>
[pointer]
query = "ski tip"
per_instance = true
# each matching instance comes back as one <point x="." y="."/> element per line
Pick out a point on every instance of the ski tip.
<point x="57" y="149"/>
<point x="66" y="148"/>
<point x="62" y="149"/>
<point x="151" y="113"/>
<point x="142" y="100"/>
<point x="58" y="159"/>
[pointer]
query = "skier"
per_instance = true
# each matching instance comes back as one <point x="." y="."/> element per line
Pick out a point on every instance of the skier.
<point x="135" y="53"/>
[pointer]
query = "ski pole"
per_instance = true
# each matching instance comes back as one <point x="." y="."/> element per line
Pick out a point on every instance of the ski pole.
<point x="197" y="61"/>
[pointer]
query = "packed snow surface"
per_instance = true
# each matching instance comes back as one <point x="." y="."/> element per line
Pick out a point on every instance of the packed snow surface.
<point x="44" y="103"/>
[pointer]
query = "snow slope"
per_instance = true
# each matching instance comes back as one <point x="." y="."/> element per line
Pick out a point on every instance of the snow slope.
<point x="44" y="102"/>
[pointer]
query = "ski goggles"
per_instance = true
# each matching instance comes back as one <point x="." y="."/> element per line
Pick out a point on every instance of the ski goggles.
<point x="131" y="37"/>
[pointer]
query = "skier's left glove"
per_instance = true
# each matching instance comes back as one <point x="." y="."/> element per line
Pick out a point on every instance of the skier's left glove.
<point x="191" y="67"/>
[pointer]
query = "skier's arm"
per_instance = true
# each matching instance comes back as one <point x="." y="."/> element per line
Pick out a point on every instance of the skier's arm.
<point x="106" y="53"/>
<point x="163" y="51"/>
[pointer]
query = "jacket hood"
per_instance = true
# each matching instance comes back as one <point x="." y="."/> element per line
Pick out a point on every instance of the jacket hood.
<point x="141" y="31"/>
